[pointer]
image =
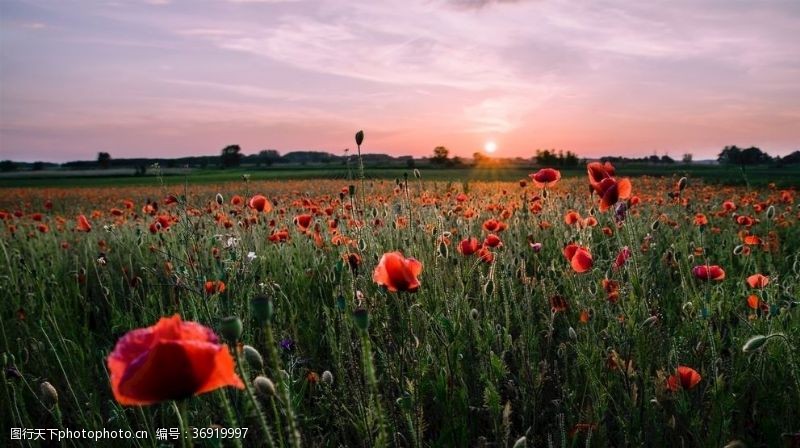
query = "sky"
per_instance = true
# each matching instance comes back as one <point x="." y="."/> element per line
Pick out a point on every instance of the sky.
<point x="142" y="78"/>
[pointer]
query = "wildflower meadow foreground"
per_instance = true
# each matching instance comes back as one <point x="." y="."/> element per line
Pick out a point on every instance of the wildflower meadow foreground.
<point x="594" y="311"/>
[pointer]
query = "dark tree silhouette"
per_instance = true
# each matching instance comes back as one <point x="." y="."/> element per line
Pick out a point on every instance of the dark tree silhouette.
<point x="231" y="156"/>
<point x="268" y="157"/>
<point x="104" y="159"/>
<point x="440" y="154"/>
<point x="733" y="155"/>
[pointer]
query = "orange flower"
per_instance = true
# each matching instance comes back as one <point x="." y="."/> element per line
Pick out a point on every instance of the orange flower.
<point x="83" y="224"/>
<point x="572" y="217"/>
<point x="303" y="221"/>
<point x="492" y="240"/>
<point x="171" y="360"/>
<point x="758" y="281"/>
<point x="486" y="255"/>
<point x="705" y="272"/>
<point x="611" y="288"/>
<point x="685" y="377"/>
<point x="579" y="257"/>
<point x="260" y="203"/>
<point x="212" y="287"/>
<point x="397" y="273"/>
<point x="607" y="187"/>
<point x="700" y="220"/>
<point x="753" y="301"/>
<point x="545" y="177"/>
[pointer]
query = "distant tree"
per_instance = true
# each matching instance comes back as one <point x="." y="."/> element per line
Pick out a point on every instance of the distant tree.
<point x="268" y="157"/>
<point x="440" y="154"/>
<point x="733" y="155"/>
<point x="791" y="159"/>
<point x="667" y="159"/>
<point x="104" y="159"/>
<point x="546" y="158"/>
<point x="687" y="158"/>
<point x="7" y="165"/>
<point x="141" y="169"/>
<point x="37" y="166"/>
<point x="571" y="159"/>
<point x="456" y="161"/>
<point x="231" y="156"/>
<point x="411" y="163"/>
<point x="479" y="159"/>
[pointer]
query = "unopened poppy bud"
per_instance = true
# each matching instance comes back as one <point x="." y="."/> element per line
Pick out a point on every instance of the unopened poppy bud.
<point x="264" y="386"/>
<point x="650" y="321"/>
<point x="48" y="394"/>
<point x="327" y="377"/>
<point x="474" y="314"/>
<point x="219" y="199"/>
<point x="231" y="328"/>
<point x="361" y="318"/>
<point x="770" y="212"/>
<point x="522" y="442"/>
<point x="682" y="183"/>
<point x="253" y="358"/>
<point x="755" y="343"/>
<point x="417" y="173"/>
<point x="261" y="306"/>
<point x="572" y="334"/>
<point x="359" y="137"/>
<point x="655" y="224"/>
<point x="738" y="249"/>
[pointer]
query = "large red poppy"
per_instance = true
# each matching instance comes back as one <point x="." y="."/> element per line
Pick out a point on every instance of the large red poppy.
<point x="758" y="281"/>
<point x="169" y="361"/>
<point x="397" y="273"/>
<point x="685" y="377"/>
<point x="260" y="203"/>
<point x="602" y="181"/>
<point x="706" y="272"/>
<point x="303" y="221"/>
<point x="545" y="177"/>
<point x="579" y="257"/>
<point x="83" y="224"/>
<point x="468" y="246"/>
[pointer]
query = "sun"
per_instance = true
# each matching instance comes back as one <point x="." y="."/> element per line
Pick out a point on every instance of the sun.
<point x="490" y="147"/>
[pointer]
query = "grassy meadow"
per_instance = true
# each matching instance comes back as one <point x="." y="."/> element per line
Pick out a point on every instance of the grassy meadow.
<point x="561" y="325"/>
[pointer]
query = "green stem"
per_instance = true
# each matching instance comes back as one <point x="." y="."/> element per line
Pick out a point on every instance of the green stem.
<point x="369" y="369"/>
<point x="180" y="412"/>
<point x="282" y="389"/>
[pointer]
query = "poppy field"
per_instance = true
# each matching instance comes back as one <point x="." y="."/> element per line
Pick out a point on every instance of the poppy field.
<point x="603" y="310"/>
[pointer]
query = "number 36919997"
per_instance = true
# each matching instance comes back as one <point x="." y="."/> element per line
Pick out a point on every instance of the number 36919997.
<point x="219" y="433"/>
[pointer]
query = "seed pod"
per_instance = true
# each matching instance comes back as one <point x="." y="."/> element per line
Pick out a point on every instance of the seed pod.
<point x="48" y="394"/>
<point x="231" y="328"/>
<point x="264" y="386"/>
<point x="327" y="377"/>
<point x="253" y="358"/>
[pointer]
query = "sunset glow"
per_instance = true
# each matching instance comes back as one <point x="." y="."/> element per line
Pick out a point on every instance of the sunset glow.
<point x="161" y="77"/>
<point x="490" y="147"/>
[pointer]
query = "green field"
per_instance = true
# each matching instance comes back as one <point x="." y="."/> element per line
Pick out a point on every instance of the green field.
<point x="726" y="175"/>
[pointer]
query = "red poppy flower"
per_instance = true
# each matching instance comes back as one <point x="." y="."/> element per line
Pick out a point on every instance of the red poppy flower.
<point x="397" y="273"/>
<point x="558" y="304"/>
<point x="83" y="224"/>
<point x="685" y="377"/>
<point x="303" y="221"/>
<point x="572" y="217"/>
<point x="622" y="257"/>
<point x="212" y="287"/>
<point x="758" y="281"/>
<point x="545" y="177"/>
<point x="579" y="257"/>
<point x="486" y="255"/>
<point x="468" y="246"/>
<point x="461" y="197"/>
<point x="353" y="260"/>
<point x="612" y="190"/>
<point x="753" y="301"/>
<point x="260" y="203"/>
<point x="598" y="171"/>
<point x="492" y="240"/>
<point x="171" y="360"/>
<point x="237" y="200"/>
<point x="491" y="225"/>
<point x="704" y="272"/>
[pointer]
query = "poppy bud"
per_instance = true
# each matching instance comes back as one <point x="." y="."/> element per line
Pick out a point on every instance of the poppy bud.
<point x="219" y="199"/>
<point x="351" y="189"/>
<point x="650" y="321"/>
<point x="359" y="137"/>
<point x="231" y="328"/>
<point x="253" y="358"/>
<point x="48" y="394"/>
<point x="755" y="343"/>
<point x="738" y="249"/>
<point x="682" y="183"/>
<point x="417" y="173"/>
<point x="264" y="386"/>
<point x="261" y="305"/>
<point x="327" y="377"/>
<point x="655" y="224"/>
<point x="474" y="314"/>
<point x="572" y="334"/>
<point x="771" y="212"/>
<point x="522" y="442"/>
<point x="361" y="317"/>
